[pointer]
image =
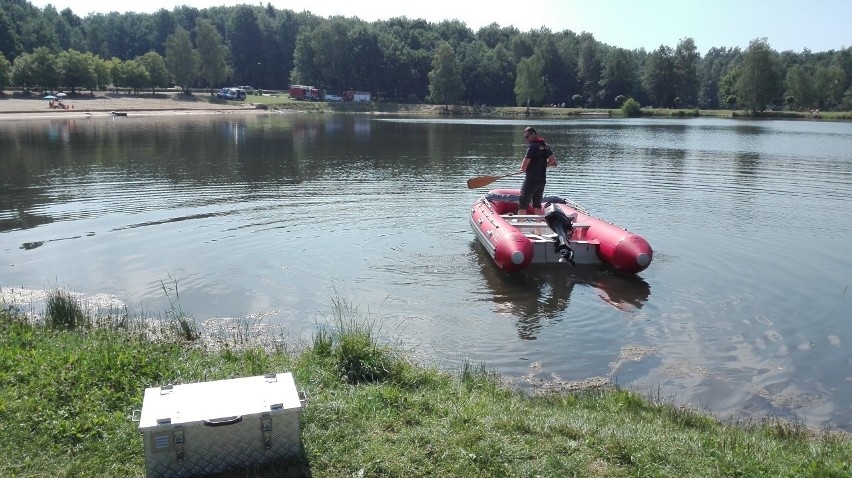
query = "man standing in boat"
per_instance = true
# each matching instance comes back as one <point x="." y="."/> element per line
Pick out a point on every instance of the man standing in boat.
<point x="536" y="161"/>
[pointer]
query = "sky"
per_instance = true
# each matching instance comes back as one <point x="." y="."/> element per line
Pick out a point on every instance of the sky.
<point x="818" y="25"/>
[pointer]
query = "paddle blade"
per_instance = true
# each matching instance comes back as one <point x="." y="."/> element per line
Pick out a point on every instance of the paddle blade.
<point x="481" y="181"/>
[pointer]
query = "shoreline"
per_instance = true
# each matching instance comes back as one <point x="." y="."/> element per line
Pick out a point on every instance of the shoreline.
<point x="15" y="107"/>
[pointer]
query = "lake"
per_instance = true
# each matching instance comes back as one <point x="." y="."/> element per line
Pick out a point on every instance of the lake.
<point x="744" y="312"/>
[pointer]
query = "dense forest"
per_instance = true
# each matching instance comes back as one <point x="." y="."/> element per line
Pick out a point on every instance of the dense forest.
<point x="401" y="59"/>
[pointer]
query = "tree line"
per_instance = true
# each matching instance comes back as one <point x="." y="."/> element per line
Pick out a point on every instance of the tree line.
<point x="401" y="59"/>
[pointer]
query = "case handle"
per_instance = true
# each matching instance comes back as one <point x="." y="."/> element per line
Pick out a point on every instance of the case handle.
<point x="224" y="421"/>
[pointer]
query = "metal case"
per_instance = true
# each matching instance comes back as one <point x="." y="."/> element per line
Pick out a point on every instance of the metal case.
<point x="210" y="427"/>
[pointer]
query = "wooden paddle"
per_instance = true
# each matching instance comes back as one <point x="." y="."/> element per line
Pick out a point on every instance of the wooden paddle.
<point x="481" y="181"/>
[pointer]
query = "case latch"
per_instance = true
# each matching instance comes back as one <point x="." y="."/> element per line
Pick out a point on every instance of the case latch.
<point x="266" y="427"/>
<point x="178" y="440"/>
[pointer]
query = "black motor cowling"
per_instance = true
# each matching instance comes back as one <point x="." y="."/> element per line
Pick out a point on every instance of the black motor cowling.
<point x="562" y="225"/>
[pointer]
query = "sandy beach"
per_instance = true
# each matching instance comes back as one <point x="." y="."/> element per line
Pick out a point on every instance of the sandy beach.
<point x="16" y="107"/>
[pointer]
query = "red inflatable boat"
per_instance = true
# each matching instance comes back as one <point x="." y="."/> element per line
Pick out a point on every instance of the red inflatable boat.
<point x="564" y="233"/>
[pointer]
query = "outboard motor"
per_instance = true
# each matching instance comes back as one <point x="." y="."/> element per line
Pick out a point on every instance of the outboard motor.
<point x="562" y="225"/>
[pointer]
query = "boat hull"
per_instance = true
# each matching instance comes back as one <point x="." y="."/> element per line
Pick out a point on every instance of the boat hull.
<point x="515" y="241"/>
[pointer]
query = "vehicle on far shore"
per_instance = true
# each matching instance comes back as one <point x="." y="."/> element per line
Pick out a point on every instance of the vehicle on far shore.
<point x="232" y="94"/>
<point x="248" y="89"/>
<point x="357" y="96"/>
<point x="303" y="92"/>
<point x="333" y="98"/>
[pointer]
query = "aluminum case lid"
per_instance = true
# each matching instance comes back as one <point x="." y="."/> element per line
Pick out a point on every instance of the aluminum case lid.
<point x="219" y="400"/>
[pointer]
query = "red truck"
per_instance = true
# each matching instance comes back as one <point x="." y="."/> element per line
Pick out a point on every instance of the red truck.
<point x="357" y="96"/>
<point x="302" y="92"/>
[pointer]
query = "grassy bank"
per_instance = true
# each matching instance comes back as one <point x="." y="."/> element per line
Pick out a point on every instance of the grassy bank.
<point x="68" y="388"/>
<point x="283" y="102"/>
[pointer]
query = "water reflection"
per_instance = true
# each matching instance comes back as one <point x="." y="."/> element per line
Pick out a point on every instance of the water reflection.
<point x="748" y="163"/>
<point x="60" y="130"/>
<point x="11" y="220"/>
<point x="542" y="293"/>
<point x="748" y="129"/>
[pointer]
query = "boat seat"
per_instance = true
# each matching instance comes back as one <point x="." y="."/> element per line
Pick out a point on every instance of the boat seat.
<point x="523" y="216"/>
<point x="550" y="237"/>
<point x="533" y="225"/>
<point x="529" y="225"/>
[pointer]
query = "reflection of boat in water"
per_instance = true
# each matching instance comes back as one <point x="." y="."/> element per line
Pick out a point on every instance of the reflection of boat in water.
<point x="564" y="233"/>
<point x="541" y="292"/>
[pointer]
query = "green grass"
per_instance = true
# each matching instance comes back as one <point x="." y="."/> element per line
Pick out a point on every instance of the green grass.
<point x="63" y="311"/>
<point x="67" y="395"/>
<point x="283" y="102"/>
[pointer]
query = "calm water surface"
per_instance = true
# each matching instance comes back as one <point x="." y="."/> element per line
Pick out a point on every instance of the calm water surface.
<point x="744" y="311"/>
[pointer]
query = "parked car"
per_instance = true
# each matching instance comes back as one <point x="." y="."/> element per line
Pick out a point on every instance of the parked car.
<point x="232" y="94"/>
<point x="225" y="94"/>
<point x="333" y="98"/>
<point x="248" y="89"/>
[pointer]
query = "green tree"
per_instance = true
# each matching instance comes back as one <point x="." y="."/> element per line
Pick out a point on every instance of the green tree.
<point x="454" y="32"/>
<point x="478" y="71"/>
<point x="799" y="85"/>
<point x="529" y="84"/>
<point x="631" y="108"/>
<point x="134" y="75"/>
<point x="761" y="82"/>
<point x="658" y="77"/>
<point x="10" y="44"/>
<point x="280" y="30"/>
<point x="304" y="67"/>
<point x="552" y="68"/>
<point x="246" y="41"/>
<point x="411" y="46"/>
<point x="589" y="67"/>
<point x="39" y="68"/>
<point x="155" y="67"/>
<point x="103" y="75"/>
<point x="521" y="47"/>
<point x="830" y="82"/>
<point x="36" y="32"/>
<point x="78" y="70"/>
<point x="364" y="45"/>
<point x="163" y="24"/>
<point x="493" y="34"/>
<point x="568" y="44"/>
<point x="505" y="72"/>
<point x="728" y="87"/>
<point x="445" y="83"/>
<point x="212" y="54"/>
<point x="96" y="36"/>
<point x="181" y="59"/>
<point x="715" y="64"/>
<point x="686" y="61"/>
<point x="66" y="25"/>
<point x="5" y="72"/>
<point x="619" y="77"/>
<point x="332" y="54"/>
<point x="116" y="72"/>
